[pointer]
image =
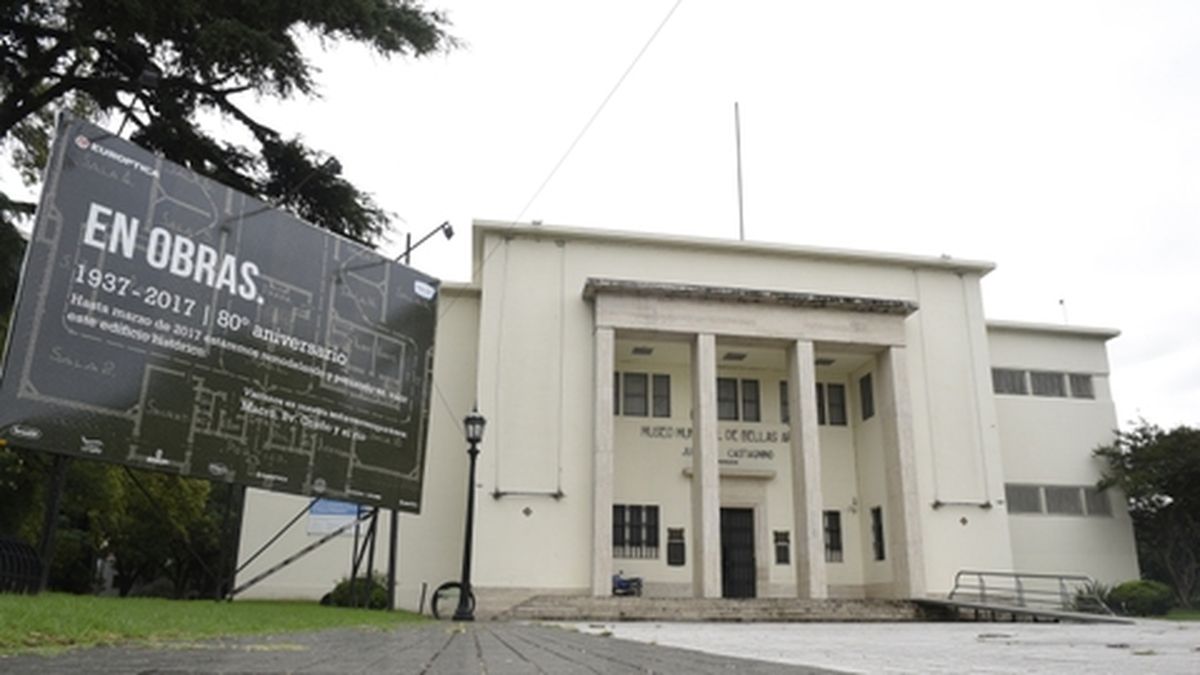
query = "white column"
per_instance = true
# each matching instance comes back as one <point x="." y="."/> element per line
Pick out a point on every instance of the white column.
<point x="807" y="503"/>
<point x="903" y="518"/>
<point x="706" y="478"/>
<point x="602" y="465"/>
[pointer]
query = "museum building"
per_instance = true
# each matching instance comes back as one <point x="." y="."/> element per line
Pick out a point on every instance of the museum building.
<point x="738" y="419"/>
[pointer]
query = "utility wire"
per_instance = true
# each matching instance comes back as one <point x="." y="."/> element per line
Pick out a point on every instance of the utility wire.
<point x="445" y="307"/>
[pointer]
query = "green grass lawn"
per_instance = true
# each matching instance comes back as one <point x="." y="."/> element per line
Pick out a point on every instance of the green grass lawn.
<point x="56" y="620"/>
<point x="1184" y="614"/>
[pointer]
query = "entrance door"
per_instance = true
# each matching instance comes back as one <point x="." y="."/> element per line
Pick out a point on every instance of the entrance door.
<point x="737" y="553"/>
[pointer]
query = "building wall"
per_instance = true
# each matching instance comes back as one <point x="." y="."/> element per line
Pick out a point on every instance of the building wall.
<point x="1049" y="441"/>
<point x="535" y="380"/>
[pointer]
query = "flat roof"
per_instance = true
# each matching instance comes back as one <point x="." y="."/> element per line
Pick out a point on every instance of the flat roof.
<point x="1053" y="328"/>
<point x="521" y="229"/>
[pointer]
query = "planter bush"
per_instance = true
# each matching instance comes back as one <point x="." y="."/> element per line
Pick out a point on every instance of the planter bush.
<point x="1142" y="598"/>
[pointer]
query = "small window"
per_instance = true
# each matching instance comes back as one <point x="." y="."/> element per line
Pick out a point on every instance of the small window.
<point x="833" y="536"/>
<point x="1081" y="386"/>
<point x="636" y="398"/>
<point x="877" y="532"/>
<point x="783" y="547"/>
<point x="866" y="396"/>
<point x="751" y="410"/>
<point x="820" y="404"/>
<point x="1063" y="500"/>
<point x="1009" y="381"/>
<point x="727" y="398"/>
<point x="676" y="549"/>
<point x="1097" y="502"/>
<point x="662" y="395"/>
<point x="784" y="413"/>
<point x="836" y="395"/>
<point x="1023" y="498"/>
<point x="1047" y="384"/>
<point x="635" y="531"/>
<point x="616" y="393"/>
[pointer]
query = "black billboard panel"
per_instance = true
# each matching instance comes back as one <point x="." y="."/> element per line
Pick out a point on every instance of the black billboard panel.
<point x="166" y="321"/>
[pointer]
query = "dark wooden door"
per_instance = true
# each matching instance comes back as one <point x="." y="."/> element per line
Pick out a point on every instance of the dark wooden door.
<point x="737" y="553"/>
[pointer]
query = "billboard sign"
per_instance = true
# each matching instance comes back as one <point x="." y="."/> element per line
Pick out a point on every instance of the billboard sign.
<point x="166" y="321"/>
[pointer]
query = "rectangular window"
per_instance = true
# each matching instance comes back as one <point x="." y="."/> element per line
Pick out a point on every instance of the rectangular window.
<point x="877" y="532"/>
<point x="1023" y="498"/>
<point x="836" y="397"/>
<point x="727" y="398"/>
<point x="820" y="404"/>
<point x="662" y="395"/>
<point x="784" y="411"/>
<point x="676" y="549"/>
<point x="783" y="547"/>
<point x="1063" y="500"/>
<point x="1081" y="386"/>
<point x="833" y="536"/>
<point x="1009" y="381"/>
<point x="751" y="410"/>
<point x="635" y="531"/>
<point x="866" y="396"/>
<point x="636" y="398"/>
<point x="1047" y="384"/>
<point x="1097" y="502"/>
<point x="616" y="393"/>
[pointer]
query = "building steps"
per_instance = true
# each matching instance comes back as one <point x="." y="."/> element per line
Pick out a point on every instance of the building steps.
<point x="586" y="608"/>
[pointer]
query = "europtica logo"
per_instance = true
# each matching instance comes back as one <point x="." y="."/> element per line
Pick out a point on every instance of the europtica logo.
<point x="86" y="144"/>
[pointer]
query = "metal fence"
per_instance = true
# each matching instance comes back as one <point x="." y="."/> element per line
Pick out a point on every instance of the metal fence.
<point x="20" y="567"/>
<point x="1058" y="592"/>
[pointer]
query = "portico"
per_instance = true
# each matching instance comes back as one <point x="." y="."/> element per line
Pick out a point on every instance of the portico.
<point x="799" y="325"/>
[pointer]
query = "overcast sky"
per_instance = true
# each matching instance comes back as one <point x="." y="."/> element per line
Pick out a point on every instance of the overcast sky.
<point x="1060" y="140"/>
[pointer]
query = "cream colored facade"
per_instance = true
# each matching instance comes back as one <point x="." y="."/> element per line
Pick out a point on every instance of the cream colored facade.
<point x="559" y="329"/>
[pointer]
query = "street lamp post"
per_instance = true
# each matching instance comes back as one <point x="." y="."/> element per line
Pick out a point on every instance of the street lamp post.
<point x="473" y="426"/>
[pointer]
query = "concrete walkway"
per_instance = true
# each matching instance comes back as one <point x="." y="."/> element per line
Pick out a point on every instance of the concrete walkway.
<point x="1016" y="649"/>
<point x="434" y="649"/>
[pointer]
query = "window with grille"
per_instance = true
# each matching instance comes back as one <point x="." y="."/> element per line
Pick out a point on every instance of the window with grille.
<point x="635" y="531"/>
<point x="727" y="398"/>
<point x="783" y="547"/>
<point x="1097" y="501"/>
<point x="662" y="395"/>
<point x="1023" y="498"/>
<point x="1009" y="381"/>
<point x="833" y="536"/>
<point x="866" y="396"/>
<point x="877" y="532"/>
<point x="1081" y="386"/>
<point x="751" y="410"/>
<point x="1047" y="384"/>
<point x="1063" y="500"/>
<point x="835" y="395"/>
<point x="636" y="400"/>
<point x="676" y="549"/>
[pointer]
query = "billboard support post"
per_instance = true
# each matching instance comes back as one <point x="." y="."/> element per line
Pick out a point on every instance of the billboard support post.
<point x="58" y="477"/>
<point x="393" y="537"/>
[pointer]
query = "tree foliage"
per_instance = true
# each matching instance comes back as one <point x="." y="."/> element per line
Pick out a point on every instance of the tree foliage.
<point x="1159" y="471"/>
<point x="160" y="67"/>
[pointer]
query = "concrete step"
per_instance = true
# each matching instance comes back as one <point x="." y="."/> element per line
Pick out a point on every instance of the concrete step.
<point x="583" y="608"/>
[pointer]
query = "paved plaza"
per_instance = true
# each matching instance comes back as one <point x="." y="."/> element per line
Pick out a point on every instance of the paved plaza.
<point x="498" y="648"/>
<point x="1028" y="649"/>
<point x="433" y="649"/>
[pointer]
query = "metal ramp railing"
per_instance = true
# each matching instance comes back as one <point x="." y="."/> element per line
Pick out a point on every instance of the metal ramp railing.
<point x="1073" y="593"/>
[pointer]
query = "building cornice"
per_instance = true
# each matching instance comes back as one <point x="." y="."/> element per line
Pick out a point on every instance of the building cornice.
<point x="515" y="229"/>
<point x="849" y="303"/>
<point x="1053" y="329"/>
